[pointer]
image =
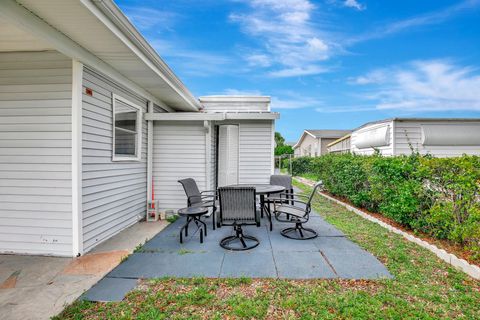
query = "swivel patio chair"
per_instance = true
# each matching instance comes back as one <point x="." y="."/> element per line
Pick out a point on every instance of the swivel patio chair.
<point x="237" y="209"/>
<point x="195" y="198"/>
<point x="298" y="212"/>
<point x="284" y="181"/>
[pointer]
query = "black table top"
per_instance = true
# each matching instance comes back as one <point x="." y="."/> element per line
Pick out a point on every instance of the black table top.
<point x="262" y="189"/>
<point x="192" y="211"/>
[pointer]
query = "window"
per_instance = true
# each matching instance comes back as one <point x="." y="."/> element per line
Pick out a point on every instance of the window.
<point x="127" y="130"/>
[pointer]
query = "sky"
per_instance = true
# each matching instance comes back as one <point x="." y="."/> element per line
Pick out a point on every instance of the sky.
<point x="331" y="64"/>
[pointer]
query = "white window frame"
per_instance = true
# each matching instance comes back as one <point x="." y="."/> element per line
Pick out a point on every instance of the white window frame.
<point x="138" y="147"/>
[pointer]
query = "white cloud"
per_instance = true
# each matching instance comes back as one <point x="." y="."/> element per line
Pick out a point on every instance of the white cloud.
<point x="194" y="62"/>
<point x="294" y="101"/>
<point x="146" y="18"/>
<point x="354" y="4"/>
<point x="261" y="60"/>
<point x="287" y="35"/>
<point x="346" y="109"/>
<point x="236" y="92"/>
<point x="298" y="71"/>
<point x="428" y="18"/>
<point x="376" y="76"/>
<point x="432" y="85"/>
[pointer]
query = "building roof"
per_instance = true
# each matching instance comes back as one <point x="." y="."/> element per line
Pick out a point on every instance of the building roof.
<point x="417" y="120"/>
<point x="345" y="137"/>
<point x="98" y="34"/>
<point x="327" y="133"/>
<point x="322" y="133"/>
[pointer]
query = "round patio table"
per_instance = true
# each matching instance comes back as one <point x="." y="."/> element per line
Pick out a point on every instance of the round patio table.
<point x="264" y="190"/>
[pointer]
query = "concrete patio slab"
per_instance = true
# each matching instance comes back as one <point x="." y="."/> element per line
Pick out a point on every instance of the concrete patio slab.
<point x="253" y="264"/>
<point x="166" y="264"/>
<point x="357" y="264"/>
<point x="95" y="263"/>
<point x="302" y="265"/>
<point x="330" y="255"/>
<point x="110" y="289"/>
<point x="282" y="244"/>
<point x="38" y="287"/>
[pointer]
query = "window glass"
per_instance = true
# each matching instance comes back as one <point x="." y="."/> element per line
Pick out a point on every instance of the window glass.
<point x="126" y="129"/>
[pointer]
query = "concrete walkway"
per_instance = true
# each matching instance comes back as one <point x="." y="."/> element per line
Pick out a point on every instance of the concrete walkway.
<point x="37" y="287"/>
<point x="330" y="255"/>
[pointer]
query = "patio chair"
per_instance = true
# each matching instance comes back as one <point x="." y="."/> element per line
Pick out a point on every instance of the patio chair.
<point x="299" y="212"/>
<point x="284" y="181"/>
<point x="237" y="209"/>
<point x="195" y="198"/>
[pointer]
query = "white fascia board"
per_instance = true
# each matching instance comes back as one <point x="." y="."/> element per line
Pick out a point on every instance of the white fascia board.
<point x="185" y="116"/>
<point x="311" y="134"/>
<point x="296" y="145"/>
<point x="252" y="116"/>
<point x="119" y="25"/>
<point x="213" y="116"/>
<point x="19" y="16"/>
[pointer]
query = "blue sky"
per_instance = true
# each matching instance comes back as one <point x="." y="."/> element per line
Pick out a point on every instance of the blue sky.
<point x="332" y="64"/>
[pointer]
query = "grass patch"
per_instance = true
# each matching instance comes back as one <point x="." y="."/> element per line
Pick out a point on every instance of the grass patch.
<point x="172" y="218"/>
<point x="424" y="288"/>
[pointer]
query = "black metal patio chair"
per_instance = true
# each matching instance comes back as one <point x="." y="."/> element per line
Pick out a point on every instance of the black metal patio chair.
<point x="237" y="209"/>
<point x="298" y="212"/>
<point x="195" y="198"/>
<point x="284" y="181"/>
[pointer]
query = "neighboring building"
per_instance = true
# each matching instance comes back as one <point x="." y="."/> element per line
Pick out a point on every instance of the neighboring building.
<point x="341" y="145"/>
<point x="90" y="115"/>
<point x="435" y="136"/>
<point x="314" y="143"/>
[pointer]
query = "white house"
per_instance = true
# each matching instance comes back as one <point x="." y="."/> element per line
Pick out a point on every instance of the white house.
<point x="313" y="143"/>
<point x="91" y="117"/>
<point x="436" y="136"/>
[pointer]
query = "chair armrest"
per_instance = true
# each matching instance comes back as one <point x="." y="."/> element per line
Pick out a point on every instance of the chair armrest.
<point x="208" y="191"/>
<point x="282" y="201"/>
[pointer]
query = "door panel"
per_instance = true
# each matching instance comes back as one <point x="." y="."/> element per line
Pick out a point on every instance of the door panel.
<point x="228" y="155"/>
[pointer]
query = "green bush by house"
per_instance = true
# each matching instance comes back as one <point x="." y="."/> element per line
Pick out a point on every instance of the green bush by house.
<point x="438" y="196"/>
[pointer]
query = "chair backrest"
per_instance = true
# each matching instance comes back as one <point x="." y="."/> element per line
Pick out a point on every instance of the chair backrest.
<point x="282" y="180"/>
<point x="191" y="190"/>
<point x="318" y="185"/>
<point x="238" y="205"/>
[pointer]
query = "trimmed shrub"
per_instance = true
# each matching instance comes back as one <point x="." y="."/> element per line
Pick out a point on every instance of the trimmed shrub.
<point x="438" y="196"/>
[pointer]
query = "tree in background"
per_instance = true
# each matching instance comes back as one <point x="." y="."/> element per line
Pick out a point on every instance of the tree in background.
<point x="279" y="140"/>
<point x="280" y="147"/>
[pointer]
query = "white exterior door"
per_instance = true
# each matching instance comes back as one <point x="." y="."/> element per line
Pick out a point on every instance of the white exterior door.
<point x="228" y="155"/>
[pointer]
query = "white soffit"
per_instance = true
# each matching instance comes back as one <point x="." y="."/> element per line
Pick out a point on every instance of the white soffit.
<point x="76" y="21"/>
<point x="15" y="39"/>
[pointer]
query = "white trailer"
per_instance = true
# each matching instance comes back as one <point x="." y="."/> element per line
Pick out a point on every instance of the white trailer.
<point x="435" y="136"/>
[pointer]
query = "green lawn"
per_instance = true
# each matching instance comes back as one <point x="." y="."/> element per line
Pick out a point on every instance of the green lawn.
<point x="424" y="288"/>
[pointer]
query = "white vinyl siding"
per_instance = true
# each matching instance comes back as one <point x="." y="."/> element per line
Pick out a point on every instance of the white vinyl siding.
<point x="114" y="193"/>
<point x="178" y="152"/>
<point x="255" y="151"/>
<point x="35" y="153"/>
<point x="409" y="135"/>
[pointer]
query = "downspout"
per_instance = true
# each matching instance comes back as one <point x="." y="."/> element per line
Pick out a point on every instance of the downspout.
<point x="208" y="154"/>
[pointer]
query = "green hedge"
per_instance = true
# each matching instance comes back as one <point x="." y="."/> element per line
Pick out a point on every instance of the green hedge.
<point x="438" y="196"/>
